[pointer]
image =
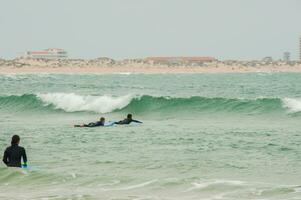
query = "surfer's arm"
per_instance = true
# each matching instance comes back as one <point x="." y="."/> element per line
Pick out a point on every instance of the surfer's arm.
<point x="24" y="157"/>
<point x="5" y="157"/>
<point x="137" y="121"/>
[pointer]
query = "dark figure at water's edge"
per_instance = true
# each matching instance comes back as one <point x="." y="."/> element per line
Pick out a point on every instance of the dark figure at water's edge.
<point x="101" y="122"/>
<point x="127" y="120"/>
<point x="14" y="153"/>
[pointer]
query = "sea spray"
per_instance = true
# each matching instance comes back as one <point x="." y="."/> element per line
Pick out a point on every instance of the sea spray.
<point x="294" y="105"/>
<point x="71" y="102"/>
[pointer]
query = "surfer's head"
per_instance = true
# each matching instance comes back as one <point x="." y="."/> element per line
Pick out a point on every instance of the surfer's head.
<point x="129" y="116"/>
<point x="102" y="119"/>
<point x="15" y="140"/>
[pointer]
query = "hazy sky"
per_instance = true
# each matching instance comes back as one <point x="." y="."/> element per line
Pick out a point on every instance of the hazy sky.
<point x="226" y="29"/>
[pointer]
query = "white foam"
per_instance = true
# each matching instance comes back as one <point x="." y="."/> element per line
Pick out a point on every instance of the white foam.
<point x="297" y="189"/>
<point x="133" y="186"/>
<point x="206" y="184"/>
<point x="71" y="102"/>
<point x="294" y="105"/>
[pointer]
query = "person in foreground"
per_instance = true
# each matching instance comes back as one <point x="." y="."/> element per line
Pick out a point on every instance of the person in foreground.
<point x="129" y="119"/>
<point x="14" y="153"/>
<point x="101" y="122"/>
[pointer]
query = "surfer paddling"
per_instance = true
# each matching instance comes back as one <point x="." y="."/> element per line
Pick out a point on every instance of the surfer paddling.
<point x="101" y="122"/>
<point x="129" y="119"/>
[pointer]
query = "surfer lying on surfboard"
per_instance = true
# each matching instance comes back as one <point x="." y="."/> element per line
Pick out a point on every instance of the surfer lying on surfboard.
<point x="129" y="119"/>
<point x="101" y="122"/>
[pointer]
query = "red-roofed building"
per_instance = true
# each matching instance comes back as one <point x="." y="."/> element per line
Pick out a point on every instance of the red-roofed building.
<point x="181" y="60"/>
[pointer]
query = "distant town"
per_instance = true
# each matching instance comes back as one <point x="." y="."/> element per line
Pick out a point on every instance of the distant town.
<point x="55" y="58"/>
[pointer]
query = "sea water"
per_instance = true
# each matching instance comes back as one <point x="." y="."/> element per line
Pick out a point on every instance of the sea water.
<point x="204" y="136"/>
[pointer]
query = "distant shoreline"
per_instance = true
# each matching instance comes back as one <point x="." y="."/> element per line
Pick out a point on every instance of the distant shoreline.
<point x="109" y="66"/>
<point x="153" y="70"/>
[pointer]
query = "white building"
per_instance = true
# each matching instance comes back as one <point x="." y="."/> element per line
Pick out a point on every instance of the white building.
<point x="47" y="54"/>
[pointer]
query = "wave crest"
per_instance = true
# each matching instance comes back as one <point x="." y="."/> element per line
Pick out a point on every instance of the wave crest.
<point x="71" y="102"/>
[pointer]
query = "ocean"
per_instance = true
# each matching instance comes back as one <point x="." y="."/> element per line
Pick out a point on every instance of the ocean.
<point x="204" y="136"/>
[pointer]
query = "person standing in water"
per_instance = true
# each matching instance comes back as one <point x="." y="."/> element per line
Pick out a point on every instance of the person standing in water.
<point x="127" y="120"/>
<point x="14" y="153"/>
<point x="101" y="122"/>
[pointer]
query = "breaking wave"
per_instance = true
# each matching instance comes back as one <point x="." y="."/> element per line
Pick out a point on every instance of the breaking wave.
<point x="70" y="102"/>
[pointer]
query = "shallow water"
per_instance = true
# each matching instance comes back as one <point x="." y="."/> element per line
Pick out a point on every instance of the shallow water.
<point x="204" y="136"/>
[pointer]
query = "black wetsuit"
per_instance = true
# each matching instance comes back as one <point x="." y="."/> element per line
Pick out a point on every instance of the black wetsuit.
<point x="127" y="121"/>
<point x="13" y="154"/>
<point x="94" y="124"/>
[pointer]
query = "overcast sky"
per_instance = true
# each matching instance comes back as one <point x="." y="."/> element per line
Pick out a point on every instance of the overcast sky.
<point x="225" y="29"/>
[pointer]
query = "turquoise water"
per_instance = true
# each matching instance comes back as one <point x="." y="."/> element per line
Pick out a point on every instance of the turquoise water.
<point x="204" y="136"/>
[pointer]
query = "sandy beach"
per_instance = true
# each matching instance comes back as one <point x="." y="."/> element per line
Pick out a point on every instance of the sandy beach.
<point x="109" y="66"/>
<point x="146" y="70"/>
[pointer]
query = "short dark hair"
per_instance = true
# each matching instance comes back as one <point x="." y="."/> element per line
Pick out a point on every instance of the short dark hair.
<point x="15" y="139"/>
<point x="129" y="116"/>
<point x="102" y="119"/>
